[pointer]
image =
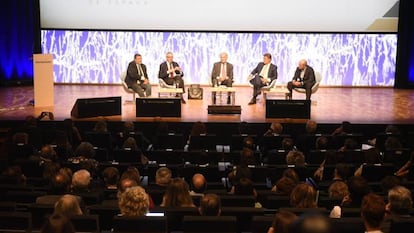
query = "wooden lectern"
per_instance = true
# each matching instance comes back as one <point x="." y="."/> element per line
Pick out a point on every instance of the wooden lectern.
<point x="43" y="80"/>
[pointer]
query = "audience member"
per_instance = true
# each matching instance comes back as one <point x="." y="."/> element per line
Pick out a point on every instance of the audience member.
<point x="295" y="158"/>
<point x="134" y="202"/>
<point x="163" y="177"/>
<point x="111" y="178"/>
<point x="344" y="129"/>
<point x="80" y="181"/>
<point x="13" y="175"/>
<point x="303" y="196"/>
<point x="132" y="173"/>
<point x="68" y="206"/>
<point x="248" y="143"/>
<point x="358" y="188"/>
<point x="210" y="205"/>
<point x="399" y="201"/>
<point x="198" y="185"/>
<point x="245" y="188"/>
<point x="311" y="223"/>
<point x="276" y="128"/>
<point x="57" y="223"/>
<point x="287" y="182"/>
<point x="373" y="212"/>
<point x="282" y="222"/>
<point x="177" y="194"/>
<point x="388" y="183"/>
<point x="247" y="157"/>
<point x="338" y="190"/>
<point x="72" y="132"/>
<point x="101" y="126"/>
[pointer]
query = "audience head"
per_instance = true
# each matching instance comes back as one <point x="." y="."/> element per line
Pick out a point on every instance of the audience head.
<point x="392" y="129"/>
<point x="311" y="127"/>
<point x="291" y="174"/>
<point x="248" y="142"/>
<point x="81" y="180"/>
<point x="131" y="144"/>
<point x="350" y="144"/>
<point x="285" y="185"/>
<point x="199" y="128"/>
<point x="163" y="176"/>
<point x="282" y="222"/>
<point x="287" y="144"/>
<point x="303" y="196"/>
<point x="399" y="201"/>
<point x="111" y="176"/>
<point x="199" y="184"/>
<point x="57" y="223"/>
<point x="346" y="127"/>
<point x="60" y="183"/>
<point x="210" y="205"/>
<point x="311" y="223"/>
<point x="358" y="188"/>
<point x="128" y="126"/>
<point x="372" y="211"/>
<point x="132" y="173"/>
<point x="276" y="128"/>
<point x="50" y="169"/>
<point x="124" y="184"/>
<point x="296" y="158"/>
<point x="68" y="206"/>
<point x="177" y="194"/>
<point x="134" y="202"/>
<point x="85" y="149"/>
<point x="244" y="127"/>
<point x="321" y="143"/>
<point x="100" y="126"/>
<point x="48" y="153"/>
<point x="247" y="157"/>
<point x="13" y="175"/>
<point x="338" y="190"/>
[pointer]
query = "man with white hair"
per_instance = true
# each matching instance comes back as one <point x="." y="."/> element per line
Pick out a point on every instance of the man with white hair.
<point x="304" y="78"/>
<point x="81" y="180"/>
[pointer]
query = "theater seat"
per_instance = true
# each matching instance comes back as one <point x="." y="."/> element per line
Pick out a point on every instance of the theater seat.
<point x="140" y="224"/>
<point x="221" y="224"/>
<point x="15" y="222"/>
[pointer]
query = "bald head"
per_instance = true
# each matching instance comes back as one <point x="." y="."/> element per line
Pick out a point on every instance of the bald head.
<point x="302" y="64"/>
<point x="199" y="183"/>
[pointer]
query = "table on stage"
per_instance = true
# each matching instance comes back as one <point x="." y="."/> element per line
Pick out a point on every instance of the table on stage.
<point x="170" y="91"/>
<point x="281" y="90"/>
<point x="221" y="91"/>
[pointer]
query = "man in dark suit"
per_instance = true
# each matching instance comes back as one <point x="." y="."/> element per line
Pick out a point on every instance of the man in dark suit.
<point x="304" y="78"/>
<point x="171" y="73"/>
<point x="137" y="77"/>
<point x="264" y="73"/>
<point x="222" y="74"/>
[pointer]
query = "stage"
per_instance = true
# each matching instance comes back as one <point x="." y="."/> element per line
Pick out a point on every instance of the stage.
<point x="329" y="105"/>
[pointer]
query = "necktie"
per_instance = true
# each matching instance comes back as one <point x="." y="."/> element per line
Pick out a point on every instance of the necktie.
<point x="223" y="70"/>
<point x="171" y="74"/>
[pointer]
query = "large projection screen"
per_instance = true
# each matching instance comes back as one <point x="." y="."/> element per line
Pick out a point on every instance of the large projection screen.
<point x="220" y="15"/>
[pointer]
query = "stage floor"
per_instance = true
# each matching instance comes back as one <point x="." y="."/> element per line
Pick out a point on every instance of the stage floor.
<point x="329" y="105"/>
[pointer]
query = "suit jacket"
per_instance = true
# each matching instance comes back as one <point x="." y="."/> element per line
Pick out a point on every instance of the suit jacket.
<point x="162" y="74"/>
<point x="132" y="74"/>
<point x="217" y="71"/>
<point x="272" y="73"/>
<point x="308" y="78"/>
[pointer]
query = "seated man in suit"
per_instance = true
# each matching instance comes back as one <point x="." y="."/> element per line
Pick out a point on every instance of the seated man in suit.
<point x="222" y="74"/>
<point x="137" y="77"/>
<point x="304" y="78"/>
<point x="264" y="73"/>
<point x="171" y="73"/>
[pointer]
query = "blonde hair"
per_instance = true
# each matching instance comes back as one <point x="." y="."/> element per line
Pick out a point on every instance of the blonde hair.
<point x="134" y="202"/>
<point x="68" y="206"/>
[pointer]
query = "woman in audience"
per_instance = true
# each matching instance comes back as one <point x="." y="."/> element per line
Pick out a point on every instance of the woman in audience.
<point x="134" y="202"/>
<point x="177" y="194"/>
<point x="68" y="206"/>
<point x="58" y="224"/>
<point x="282" y="222"/>
<point x="303" y="196"/>
<point x="287" y="182"/>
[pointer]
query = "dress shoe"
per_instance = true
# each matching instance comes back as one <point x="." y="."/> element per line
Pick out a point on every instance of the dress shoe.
<point x="183" y="101"/>
<point x="253" y="101"/>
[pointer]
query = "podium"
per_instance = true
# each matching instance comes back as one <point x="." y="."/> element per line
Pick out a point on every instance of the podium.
<point x="43" y="80"/>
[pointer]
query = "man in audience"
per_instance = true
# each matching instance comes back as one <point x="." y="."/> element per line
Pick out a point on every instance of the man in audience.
<point x="59" y="185"/>
<point x="210" y="205"/>
<point x="372" y="212"/>
<point x="282" y="222"/>
<point x="81" y="185"/>
<point x="163" y="178"/>
<point x="134" y="202"/>
<point x="399" y="205"/>
<point x="198" y="185"/>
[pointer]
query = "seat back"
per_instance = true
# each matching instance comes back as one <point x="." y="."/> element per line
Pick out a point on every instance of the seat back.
<point x="348" y="225"/>
<point x="209" y="224"/>
<point x="15" y="222"/>
<point x="106" y="215"/>
<point x="85" y="223"/>
<point x="272" y="84"/>
<point x="318" y="79"/>
<point x="402" y="225"/>
<point x="261" y="224"/>
<point x="140" y="224"/>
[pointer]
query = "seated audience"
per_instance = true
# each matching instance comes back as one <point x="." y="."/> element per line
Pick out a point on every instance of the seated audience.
<point x="198" y="185"/>
<point x="163" y="178"/>
<point x="373" y="212"/>
<point x="282" y="222"/>
<point x="399" y="202"/>
<point x="132" y="173"/>
<point x="358" y="188"/>
<point x="295" y="158"/>
<point x="13" y="175"/>
<point x="303" y="196"/>
<point x="245" y="188"/>
<point x="177" y="194"/>
<point x="57" y="223"/>
<point x="287" y="182"/>
<point x="210" y="205"/>
<point x="275" y="129"/>
<point x="111" y="178"/>
<point x="60" y="185"/>
<point x="68" y="206"/>
<point x="344" y="129"/>
<point x="134" y="202"/>
<point x="338" y="190"/>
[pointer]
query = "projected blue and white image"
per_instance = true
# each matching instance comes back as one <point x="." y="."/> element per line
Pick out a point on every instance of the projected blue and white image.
<point x="342" y="59"/>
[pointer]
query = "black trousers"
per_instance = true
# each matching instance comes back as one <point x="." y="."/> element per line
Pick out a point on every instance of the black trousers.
<point x="306" y="86"/>
<point x="257" y="85"/>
